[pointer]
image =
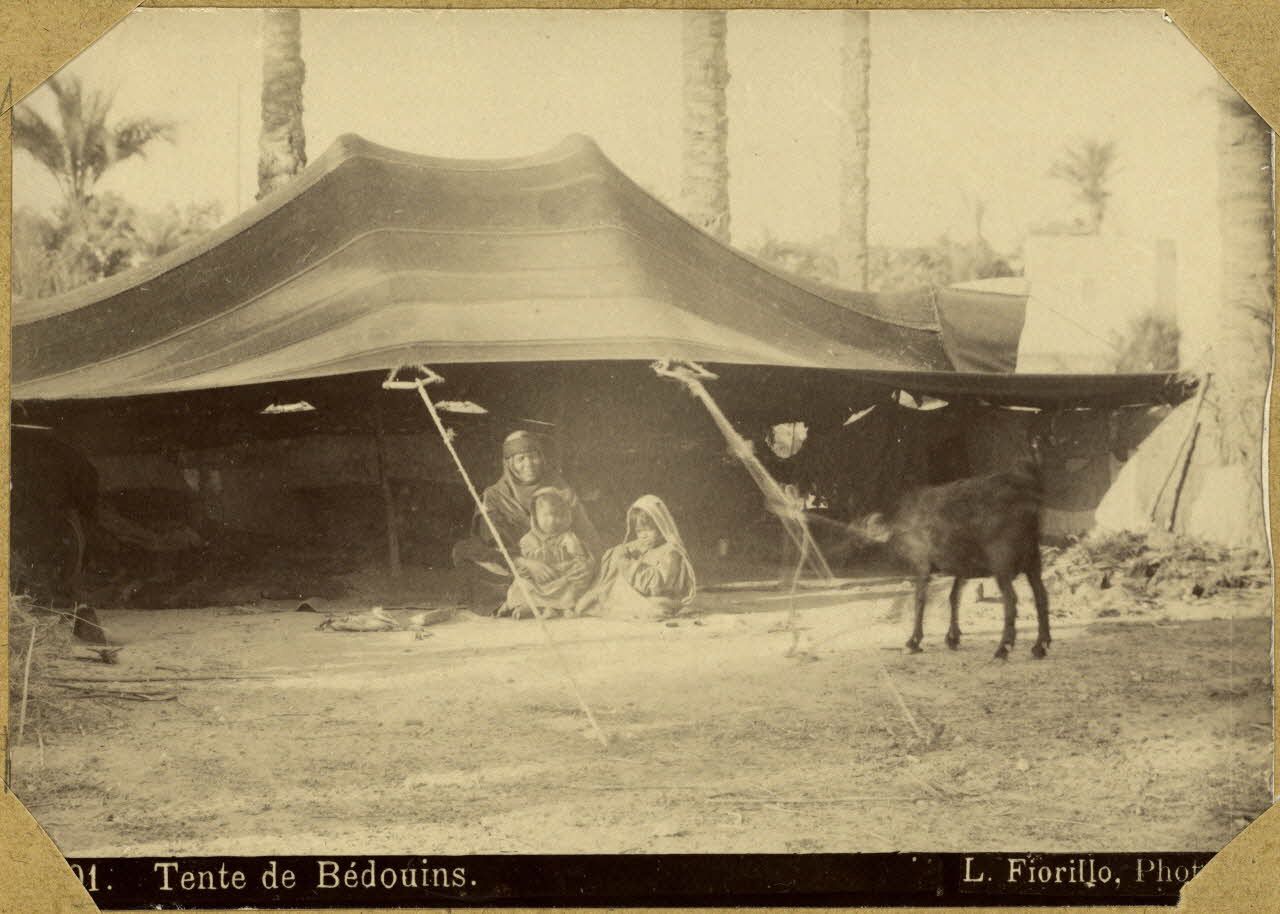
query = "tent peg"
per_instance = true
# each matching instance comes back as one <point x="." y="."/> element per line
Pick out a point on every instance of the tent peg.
<point x="426" y="376"/>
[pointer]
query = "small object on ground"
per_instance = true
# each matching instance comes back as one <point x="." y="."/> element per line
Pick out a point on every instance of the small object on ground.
<point x="429" y="617"/>
<point x="1022" y="765"/>
<point x="305" y="607"/>
<point x="107" y="654"/>
<point x="375" y="620"/>
<point x="421" y="636"/>
<point x="672" y="624"/>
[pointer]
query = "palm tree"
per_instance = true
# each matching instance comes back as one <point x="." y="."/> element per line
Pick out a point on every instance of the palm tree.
<point x="704" y="187"/>
<point x="855" y="67"/>
<point x="1087" y="167"/>
<point x="1218" y="468"/>
<point x="1240" y="353"/>
<point x="83" y="145"/>
<point x="282" y="145"/>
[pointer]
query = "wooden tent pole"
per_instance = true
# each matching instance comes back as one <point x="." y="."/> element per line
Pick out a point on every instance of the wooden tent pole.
<point x="427" y="376"/>
<point x="1182" y="460"/>
<point x="1182" y="477"/>
<point x="779" y="502"/>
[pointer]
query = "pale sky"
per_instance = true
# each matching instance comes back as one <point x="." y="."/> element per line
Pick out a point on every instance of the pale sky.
<point x="966" y="106"/>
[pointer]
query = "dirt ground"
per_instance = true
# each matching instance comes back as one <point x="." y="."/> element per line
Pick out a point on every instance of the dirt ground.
<point x="1150" y="731"/>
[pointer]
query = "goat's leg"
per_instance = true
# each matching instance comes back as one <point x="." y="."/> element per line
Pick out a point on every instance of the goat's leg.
<point x="1010" y="616"/>
<point x="1042" y="612"/>
<point x="953" y="633"/>
<point x="917" y="633"/>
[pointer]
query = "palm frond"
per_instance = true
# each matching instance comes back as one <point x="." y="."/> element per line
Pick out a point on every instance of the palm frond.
<point x="130" y="137"/>
<point x="84" y="148"/>
<point x="34" y="134"/>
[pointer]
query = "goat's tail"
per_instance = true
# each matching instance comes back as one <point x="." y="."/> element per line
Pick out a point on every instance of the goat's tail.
<point x="876" y="529"/>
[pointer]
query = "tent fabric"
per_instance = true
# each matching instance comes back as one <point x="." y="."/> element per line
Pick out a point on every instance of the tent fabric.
<point x="374" y="257"/>
<point x="1042" y="391"/>
<point x="974" y="322"/>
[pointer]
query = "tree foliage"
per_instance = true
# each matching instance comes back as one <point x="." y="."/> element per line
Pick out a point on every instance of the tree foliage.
<point x="1149" y="343"/>
<point x="104" y="236"/>
<point x="83" y="145"/>
<point x="1088" y="168"/>
<point x="892" y="269"/>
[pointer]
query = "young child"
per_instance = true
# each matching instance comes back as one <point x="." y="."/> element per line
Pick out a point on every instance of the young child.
<point x="554" y="567"/>
<point x="648" y="576"/>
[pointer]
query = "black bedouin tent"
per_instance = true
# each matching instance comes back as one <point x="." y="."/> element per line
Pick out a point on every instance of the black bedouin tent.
<point x="373" y="258"/>
<point x="541" y="287"/>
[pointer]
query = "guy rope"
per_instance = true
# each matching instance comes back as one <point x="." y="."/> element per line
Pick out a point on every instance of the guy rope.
<point x="427" y="376"/>
<point x="788" y="508"/>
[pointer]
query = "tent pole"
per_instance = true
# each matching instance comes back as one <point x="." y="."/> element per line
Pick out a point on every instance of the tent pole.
<point x="420" y="385"/>
<point x="1182" y="477"/>
<point x="786" y="507"/>
<point x="1182" y="460"/>
<point x="388" y="502"/>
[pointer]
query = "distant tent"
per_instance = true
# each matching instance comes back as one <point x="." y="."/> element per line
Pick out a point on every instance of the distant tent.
<point x="1175" y="481"/>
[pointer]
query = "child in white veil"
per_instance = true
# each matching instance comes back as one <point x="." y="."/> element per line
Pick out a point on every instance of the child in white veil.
<point x="649" y="575"/>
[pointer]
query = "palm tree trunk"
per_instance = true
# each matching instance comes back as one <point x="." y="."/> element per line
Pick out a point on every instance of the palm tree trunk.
<point x="704" y="188"/>
<point x="855" y="66"/>
<point x="1239" y="355"/>
<point x="282" y="147"/>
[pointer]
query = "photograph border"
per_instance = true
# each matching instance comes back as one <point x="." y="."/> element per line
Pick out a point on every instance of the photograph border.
<point x="1240" y="39"/>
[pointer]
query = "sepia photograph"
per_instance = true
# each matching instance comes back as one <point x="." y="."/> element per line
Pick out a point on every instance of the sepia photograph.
<point x="473" y="433"/>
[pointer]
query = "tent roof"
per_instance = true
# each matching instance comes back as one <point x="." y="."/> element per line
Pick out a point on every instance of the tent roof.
<point x="373" y="258"/>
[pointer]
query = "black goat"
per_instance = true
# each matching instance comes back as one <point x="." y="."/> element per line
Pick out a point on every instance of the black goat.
<point x="984" y="526"/>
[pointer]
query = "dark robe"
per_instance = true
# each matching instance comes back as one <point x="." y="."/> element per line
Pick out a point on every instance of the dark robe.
<point x="508" y="502"/>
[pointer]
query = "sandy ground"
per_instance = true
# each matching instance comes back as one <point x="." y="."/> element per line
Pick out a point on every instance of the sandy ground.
<point x="1146" y="732"/>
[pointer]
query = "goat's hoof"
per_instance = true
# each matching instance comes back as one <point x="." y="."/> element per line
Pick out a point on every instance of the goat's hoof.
<point x="953" y="641"/>
<point x="1039" y="651"/>
<point x="913" y="647"/>
<point x="1002" y="652"/>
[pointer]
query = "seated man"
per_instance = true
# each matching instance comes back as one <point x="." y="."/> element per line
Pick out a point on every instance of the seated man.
<point x="508" y="502"/>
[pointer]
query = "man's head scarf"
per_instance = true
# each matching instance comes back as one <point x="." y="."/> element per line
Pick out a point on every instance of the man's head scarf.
<point x="520" y="443"/>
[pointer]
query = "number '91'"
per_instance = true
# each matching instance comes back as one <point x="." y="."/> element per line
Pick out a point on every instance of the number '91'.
<point x="88" y="878"/>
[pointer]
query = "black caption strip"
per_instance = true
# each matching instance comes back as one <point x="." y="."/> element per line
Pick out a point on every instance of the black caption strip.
<point x="942" y="880"/>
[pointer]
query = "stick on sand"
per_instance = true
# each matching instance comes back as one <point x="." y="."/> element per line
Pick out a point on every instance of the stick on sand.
<point x="26" y="681"/>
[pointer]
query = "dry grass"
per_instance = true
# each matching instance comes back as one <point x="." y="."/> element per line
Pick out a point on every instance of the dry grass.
<point x="49" y="708"/>
<point x="1115" y="570"/>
